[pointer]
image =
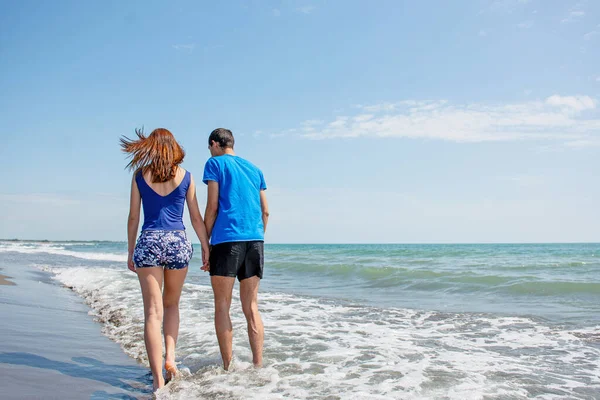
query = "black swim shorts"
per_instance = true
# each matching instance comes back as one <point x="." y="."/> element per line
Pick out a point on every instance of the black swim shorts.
<point x="237" y="259"/>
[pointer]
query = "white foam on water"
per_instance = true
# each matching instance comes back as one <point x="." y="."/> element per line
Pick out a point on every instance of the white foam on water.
<point x="316" y="348"/>
<point x="58" y="249"/>
<point x="69" y="243"/>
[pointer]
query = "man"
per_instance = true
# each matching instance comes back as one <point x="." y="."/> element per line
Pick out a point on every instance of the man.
<point x="236" y="219"/>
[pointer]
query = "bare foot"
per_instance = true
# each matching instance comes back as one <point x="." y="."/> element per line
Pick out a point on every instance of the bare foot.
<point x="171" y="369"/>
<point x="157" y="383"/>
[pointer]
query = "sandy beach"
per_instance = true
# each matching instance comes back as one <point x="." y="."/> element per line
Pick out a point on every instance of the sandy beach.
<point x="51" y="348"/>
<point x="4" y="280"/>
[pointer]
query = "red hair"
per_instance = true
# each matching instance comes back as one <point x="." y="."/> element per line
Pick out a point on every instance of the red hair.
<point x="159" y="151"/>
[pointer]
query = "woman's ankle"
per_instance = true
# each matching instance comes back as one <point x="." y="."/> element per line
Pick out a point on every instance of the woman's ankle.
<point x="158" y="381"/>
<point x="170" y="358"/>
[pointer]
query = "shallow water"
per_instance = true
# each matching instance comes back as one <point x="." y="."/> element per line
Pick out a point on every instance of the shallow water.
<point x="370" y="321"/>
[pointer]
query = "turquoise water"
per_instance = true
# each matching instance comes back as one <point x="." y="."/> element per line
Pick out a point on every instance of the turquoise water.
<point x="478" y="321"/>
<point x="556" y="281"/>
<point x="560" y="282"/>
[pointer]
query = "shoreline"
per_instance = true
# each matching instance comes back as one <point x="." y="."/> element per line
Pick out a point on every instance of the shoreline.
<point x="52" y="348"/>
<point x="4" y="281"/>
<point x="436" y="243"/>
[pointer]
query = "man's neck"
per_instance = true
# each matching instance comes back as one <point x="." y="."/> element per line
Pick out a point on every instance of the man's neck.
<point x="229" y="151"/>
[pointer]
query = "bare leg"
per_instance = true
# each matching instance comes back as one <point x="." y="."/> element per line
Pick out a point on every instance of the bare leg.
<point x="256" y="331"/>
<point x="151" y="280"/>
<point x="174" y="279"/>
<point x="222" y="288"/>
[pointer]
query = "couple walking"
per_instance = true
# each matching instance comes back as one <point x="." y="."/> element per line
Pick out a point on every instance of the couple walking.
<point x="235" y="220"/>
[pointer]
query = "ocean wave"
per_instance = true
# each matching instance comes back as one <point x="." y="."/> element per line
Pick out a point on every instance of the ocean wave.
<point x="315" y="348"/>
<point x="58" y="249"/>
<point x="530" y="282"/>
<point x="553" y="288"/>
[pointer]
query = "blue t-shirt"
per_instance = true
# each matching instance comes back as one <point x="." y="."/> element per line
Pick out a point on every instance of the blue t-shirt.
<point x="239" y="218"/>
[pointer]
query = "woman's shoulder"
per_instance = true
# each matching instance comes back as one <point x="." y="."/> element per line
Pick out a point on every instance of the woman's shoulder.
<point x="183" y="172"/>
<point x="184" y="175"/>
<point x="138" y="173"/>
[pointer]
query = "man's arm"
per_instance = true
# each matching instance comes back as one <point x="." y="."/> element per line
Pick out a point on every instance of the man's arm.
<point x="212" y="206"/>
<point x="264" y="206"/>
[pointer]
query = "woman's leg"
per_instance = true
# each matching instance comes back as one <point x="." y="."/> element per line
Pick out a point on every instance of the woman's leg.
<point x="151" y="280"/>
<point x="174" y="279"/>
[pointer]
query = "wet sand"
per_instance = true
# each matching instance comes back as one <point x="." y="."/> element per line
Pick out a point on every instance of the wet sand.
<point x="51" y="348"/>
<point x="4" y="280"/>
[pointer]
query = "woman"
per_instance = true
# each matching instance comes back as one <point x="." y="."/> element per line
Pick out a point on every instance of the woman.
<point x="162" y="252"/>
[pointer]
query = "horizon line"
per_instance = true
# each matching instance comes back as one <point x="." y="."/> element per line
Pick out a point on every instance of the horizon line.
<point x="317" y="243"/>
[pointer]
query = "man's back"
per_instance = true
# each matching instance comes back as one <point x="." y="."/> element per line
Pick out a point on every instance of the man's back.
<point x="236" y="217"/>
<point x="239" y="217"/>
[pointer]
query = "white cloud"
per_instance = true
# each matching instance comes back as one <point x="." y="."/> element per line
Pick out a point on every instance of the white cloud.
<point x="598" y="78"/>
<point x="525" y="24"/>
<point x="576" y="103"/>
<point x="591" y="35"/>
<point x="312" y="122"/>
<point x="557" y="117"/>
<point x="185" y="47"/>
<point x="310" y="125"/>
<point x="363" y="117"/>
<point x="380" y="107"/>
<point x="306" y="9"/>
<point x="573" y="16"/>
<point x="276" y="12"/>
<point x="339" y="122"/>
<point x="482" y="33"/>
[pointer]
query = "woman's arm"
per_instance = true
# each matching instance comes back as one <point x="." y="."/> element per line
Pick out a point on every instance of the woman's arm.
<point x="133" y="222"/>
<point x="198" y="223"/>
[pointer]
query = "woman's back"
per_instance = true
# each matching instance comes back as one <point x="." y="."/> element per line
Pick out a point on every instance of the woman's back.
<point x="162" y="252"/>
<point x="163" y="202"/>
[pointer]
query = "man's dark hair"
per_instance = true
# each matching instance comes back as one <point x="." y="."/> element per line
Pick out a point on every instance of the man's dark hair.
<point x="222" y="136"/>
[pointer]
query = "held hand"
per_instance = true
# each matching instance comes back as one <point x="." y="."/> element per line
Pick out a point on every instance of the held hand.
<point x="130" y="264"/>
<point x="205" y="258"/>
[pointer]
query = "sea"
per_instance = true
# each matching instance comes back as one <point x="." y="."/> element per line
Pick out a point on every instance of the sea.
<point x="366" y="321"/>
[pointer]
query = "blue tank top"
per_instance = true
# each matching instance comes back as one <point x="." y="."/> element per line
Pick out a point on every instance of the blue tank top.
<point x="163" y="212"/>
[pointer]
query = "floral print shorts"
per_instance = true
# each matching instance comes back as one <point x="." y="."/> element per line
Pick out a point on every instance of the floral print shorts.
<point x="167" y="249"/>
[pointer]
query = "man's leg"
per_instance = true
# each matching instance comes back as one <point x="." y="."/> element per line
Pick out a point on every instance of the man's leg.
<point x="256" y="332"/>
<point x="222" y="289"/>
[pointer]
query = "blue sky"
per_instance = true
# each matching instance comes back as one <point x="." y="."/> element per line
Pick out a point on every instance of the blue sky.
<point x="387" y="121"/>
